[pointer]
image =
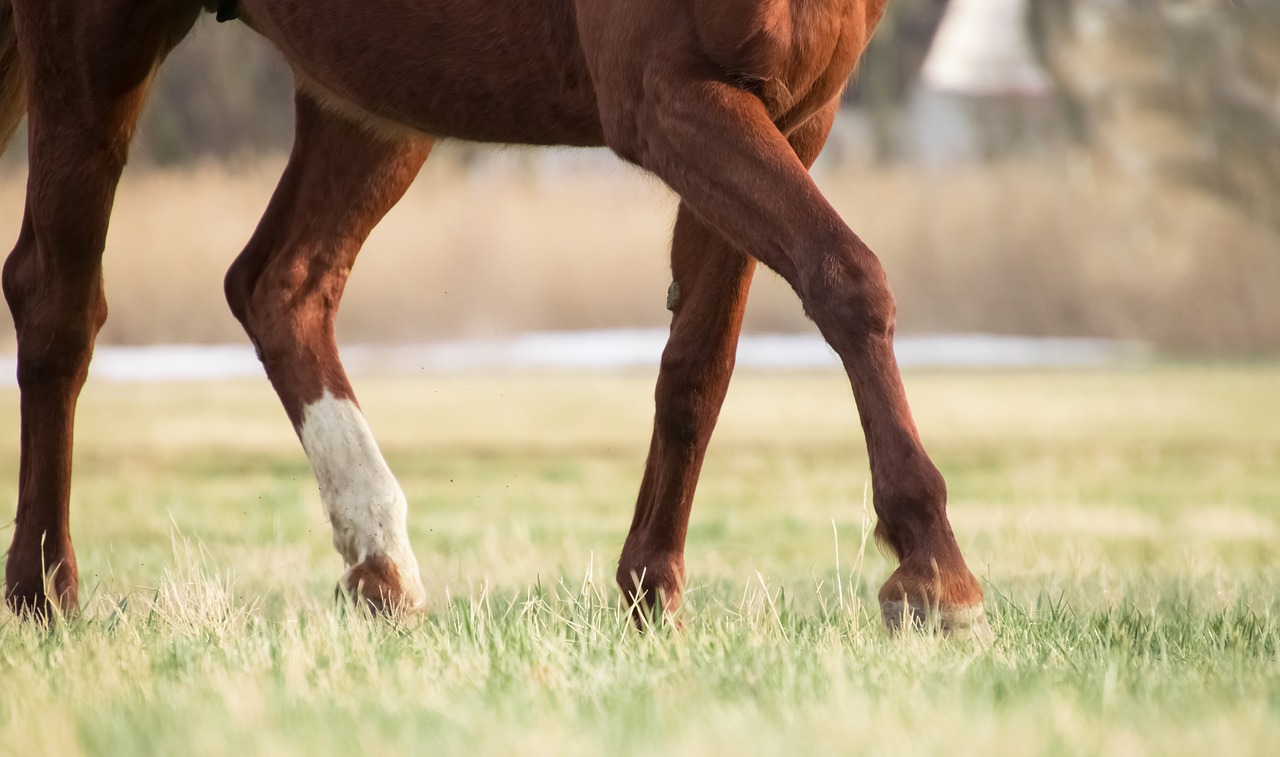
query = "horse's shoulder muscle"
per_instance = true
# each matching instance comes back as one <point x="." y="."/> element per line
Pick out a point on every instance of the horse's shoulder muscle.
<point x="748" y="35"/>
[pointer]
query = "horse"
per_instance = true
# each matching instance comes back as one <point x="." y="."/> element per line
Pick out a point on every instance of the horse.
<point x="728" y="102"/>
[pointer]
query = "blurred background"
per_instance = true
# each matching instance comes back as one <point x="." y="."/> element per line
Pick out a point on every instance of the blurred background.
<point x="1064" y="168"/>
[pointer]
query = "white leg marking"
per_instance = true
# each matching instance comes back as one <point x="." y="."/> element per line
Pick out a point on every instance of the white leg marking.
<point x="365" y="505"/>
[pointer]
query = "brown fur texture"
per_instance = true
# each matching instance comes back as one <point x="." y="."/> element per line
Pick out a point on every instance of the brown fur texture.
<point x="13" y="98"/>
<point x="375" y="585"/>
<point x="728" y="102"/>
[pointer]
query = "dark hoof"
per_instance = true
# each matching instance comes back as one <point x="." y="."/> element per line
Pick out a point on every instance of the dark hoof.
<point x="955" y="622"/>
<point x="653" y="597"/>
<point x="31" y="599"/>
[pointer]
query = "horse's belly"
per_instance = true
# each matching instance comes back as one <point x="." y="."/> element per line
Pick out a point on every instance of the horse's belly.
<point x="485" y="70"/>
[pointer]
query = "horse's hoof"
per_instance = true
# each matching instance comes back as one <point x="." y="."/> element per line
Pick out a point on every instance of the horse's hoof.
<point x="377" y="585"/>
<point x="653" y="594"/>
<point x="39" y="598"/>
<point x="953" y="622"/>
<point x="40" y="607"/>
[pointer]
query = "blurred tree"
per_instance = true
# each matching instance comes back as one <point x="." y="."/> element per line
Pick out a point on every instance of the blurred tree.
<point x="888" y="70"/>
<point x="1185" y="89"/>
<point x="224" y="92"/>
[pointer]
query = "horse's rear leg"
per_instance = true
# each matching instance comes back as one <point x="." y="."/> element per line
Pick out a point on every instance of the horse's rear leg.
<point x="717" y="146"/>
<point x="87" y="73"/>
<point x="710" y="279"/>
<point x="285" y="287"/>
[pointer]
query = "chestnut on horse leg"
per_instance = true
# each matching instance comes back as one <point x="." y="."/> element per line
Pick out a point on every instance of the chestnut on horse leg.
<point x="80" y="124"/>
<point x="285" y="287"/>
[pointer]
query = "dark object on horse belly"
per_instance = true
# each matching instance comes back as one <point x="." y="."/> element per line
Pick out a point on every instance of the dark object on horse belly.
<point x="228" y="10"/>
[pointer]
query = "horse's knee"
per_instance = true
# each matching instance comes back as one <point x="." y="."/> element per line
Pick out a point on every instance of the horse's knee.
<point x="288" y="313"/>
<point x="274" y="303"/>
<point x="57" y="316"/>
<point x="843" y="288"/>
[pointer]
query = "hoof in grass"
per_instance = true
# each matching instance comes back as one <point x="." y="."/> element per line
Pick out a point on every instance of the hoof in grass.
<point x="955" y="622"/>
<point x="377" y="586"/>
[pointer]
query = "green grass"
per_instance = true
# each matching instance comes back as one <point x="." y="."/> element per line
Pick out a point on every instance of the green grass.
<point x="1124" y="522"/>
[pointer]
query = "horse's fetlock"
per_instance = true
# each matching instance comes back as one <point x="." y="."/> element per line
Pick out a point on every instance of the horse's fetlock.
<point x="910" y="501"/>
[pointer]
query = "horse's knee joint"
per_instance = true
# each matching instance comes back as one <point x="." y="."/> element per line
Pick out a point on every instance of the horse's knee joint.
<point x="269" y="326"/>
<point x="849" y="295"/>
<point x="56" y="321"/>
<point x="51" y="355"/>
<point x="265" y="308"/>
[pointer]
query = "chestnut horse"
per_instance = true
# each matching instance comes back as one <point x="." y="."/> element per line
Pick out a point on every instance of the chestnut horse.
<point x="727" y="101"/>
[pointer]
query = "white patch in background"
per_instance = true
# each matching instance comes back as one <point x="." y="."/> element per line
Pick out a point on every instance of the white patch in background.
<point x="593" y="350"/>
<point x="365" y="504"/>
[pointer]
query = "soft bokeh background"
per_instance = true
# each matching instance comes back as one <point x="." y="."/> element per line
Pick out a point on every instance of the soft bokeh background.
<point x="1083" y="168"/>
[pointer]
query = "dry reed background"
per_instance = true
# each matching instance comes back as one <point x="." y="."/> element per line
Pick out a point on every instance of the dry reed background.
<point x="516" y="241"/>
<point x="1158" y="220"/>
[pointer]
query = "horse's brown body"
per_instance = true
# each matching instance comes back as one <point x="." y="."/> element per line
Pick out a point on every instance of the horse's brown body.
<point x="728" y="101"/>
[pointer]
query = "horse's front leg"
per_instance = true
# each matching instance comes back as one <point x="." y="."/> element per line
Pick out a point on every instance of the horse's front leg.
<point x="285" y="288"/>
<point x="716" y="145"/>
<point x="87" y="71"/>
<point x="708" y="295"/>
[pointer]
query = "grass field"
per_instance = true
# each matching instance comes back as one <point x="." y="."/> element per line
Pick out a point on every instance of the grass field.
<point x="1124" y="522"/>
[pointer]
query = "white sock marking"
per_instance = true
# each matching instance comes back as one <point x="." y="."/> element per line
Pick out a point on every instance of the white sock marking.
<point x="365" y="505"/>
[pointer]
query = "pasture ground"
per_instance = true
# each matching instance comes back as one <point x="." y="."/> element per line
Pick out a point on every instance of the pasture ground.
<point x="1125" y="523"/>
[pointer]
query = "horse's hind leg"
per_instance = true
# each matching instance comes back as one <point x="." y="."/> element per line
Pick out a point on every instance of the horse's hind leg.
<point x="710" y="279"/>
<point x="87" y="73"/>
<point x="285" y="287"/>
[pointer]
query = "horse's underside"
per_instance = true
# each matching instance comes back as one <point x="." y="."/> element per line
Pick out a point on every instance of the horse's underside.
<point x="727" y="101"/>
